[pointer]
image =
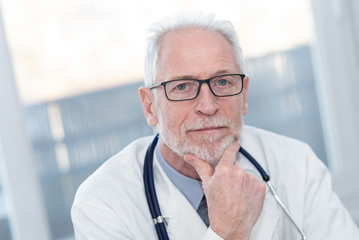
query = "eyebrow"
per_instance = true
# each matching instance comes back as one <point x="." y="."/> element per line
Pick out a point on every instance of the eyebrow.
<point x="217" y="73"/>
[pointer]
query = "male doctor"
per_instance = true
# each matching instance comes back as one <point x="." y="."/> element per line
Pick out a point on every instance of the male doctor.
<point x="196" y="95"/>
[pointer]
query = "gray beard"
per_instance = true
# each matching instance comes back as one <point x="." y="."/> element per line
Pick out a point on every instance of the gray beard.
<point x="212" y="147"/>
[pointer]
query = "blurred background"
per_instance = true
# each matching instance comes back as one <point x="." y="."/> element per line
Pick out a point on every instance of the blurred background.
<point x="70" y="71"/>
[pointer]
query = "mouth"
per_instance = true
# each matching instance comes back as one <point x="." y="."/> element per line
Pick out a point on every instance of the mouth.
<point x="207" y="135"/>
<point x="207" y="129"/>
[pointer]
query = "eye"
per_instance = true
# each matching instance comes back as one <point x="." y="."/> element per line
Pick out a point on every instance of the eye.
<point x="222" y="82"/>
<point x="181" y="86"/>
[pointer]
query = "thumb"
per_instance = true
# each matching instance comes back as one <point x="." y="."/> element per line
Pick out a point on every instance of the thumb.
<point x="203" y="168"/>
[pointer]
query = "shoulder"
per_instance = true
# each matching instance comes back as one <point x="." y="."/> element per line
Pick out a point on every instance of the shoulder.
<point x="275" y="150"/>
<point x="277" y="153"/>
<point x="112" y="200"/>
<point x="108" y="181"/>
<point x="254" y="135"/>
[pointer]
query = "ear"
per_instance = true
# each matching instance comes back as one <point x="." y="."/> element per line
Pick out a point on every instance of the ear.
<point x="147" y="100"/>
<point x="244" y="98"/>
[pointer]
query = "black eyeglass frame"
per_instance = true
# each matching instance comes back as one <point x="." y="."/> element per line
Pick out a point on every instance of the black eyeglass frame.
<point x="199" y="86"/>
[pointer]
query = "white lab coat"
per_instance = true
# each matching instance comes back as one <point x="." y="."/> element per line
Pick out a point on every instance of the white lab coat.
<point x="111" y="203"/>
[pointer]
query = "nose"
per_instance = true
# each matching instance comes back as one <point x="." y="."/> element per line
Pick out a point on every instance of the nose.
<point x="206" y="101"/>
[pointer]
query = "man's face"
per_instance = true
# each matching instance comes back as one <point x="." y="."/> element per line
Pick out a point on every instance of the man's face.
<point x="206" y="125"/>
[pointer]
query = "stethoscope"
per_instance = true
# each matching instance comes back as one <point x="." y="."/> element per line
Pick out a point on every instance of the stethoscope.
<point x="152" y="200"/>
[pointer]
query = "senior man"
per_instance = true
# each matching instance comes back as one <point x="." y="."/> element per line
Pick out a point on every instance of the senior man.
<point x="195" y="94"/>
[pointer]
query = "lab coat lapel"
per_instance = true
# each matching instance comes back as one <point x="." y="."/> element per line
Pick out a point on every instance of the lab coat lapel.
<point x="267" y="222"/>
<point x="183" y="221"/>
<point x="186" y="224"/>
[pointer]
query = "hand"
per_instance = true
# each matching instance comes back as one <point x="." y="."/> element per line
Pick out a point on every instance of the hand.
<point x="234" y="197"/>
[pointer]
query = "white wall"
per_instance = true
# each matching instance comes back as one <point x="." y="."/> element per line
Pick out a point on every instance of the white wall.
<point x="336" y="54"/>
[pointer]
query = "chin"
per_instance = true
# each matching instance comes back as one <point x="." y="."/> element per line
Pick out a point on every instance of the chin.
<point x="210" y="149"/>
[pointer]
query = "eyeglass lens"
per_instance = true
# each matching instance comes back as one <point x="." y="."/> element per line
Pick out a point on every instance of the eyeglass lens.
<point x="188" y="89"/>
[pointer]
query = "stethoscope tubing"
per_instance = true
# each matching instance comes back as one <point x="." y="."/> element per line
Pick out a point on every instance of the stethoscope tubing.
<point x="151" y="193"/>
<point x="263" y="173"/>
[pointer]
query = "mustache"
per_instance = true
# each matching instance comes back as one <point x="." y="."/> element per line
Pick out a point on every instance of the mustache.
<point x="205" y="123"/>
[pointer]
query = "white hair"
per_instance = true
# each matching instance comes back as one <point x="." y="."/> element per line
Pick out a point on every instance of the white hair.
<point x="159" y="29"/>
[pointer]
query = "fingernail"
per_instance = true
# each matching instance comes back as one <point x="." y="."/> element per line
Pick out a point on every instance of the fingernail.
<point x="187" y="158"/>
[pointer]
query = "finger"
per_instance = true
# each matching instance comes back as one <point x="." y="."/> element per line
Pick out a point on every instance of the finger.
<point x="229" y="156"/>
<point x="203" y="168"/>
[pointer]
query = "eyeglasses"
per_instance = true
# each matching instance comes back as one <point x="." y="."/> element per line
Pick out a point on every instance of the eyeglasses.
<point x="188" y="89"/>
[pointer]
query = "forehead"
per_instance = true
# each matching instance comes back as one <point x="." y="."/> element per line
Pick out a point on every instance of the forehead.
<point x="195" y="52"/>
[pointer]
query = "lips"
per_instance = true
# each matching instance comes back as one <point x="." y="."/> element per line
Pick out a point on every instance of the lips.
<point x="207" y="128"/>
<point x="204" y="125"/>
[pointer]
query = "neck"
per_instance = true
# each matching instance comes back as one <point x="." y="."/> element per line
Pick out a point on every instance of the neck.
<point x="176" y="161"/>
